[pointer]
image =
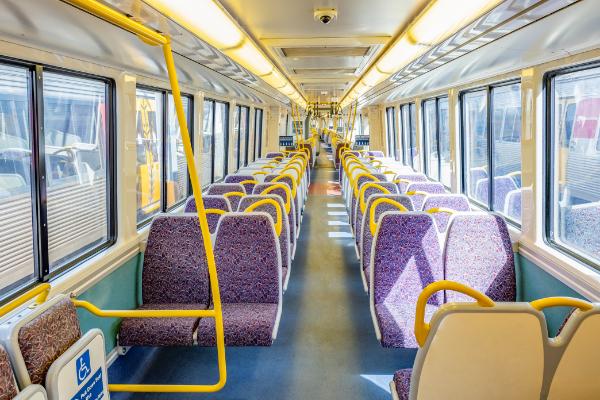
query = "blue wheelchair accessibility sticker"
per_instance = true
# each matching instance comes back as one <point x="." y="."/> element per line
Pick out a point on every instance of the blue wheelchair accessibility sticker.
<point x="93" y="389"/>
<point x="83" y="367"/>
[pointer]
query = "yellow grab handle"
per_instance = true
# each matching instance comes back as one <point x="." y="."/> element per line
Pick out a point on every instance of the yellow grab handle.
<point x="414" y="192"/>
<point x="401" y="180"/>
<point x="229" y="194"/>
<point x="389" y="172"/>
<point x="287" y="190"/>
<point x="540" y="304"/>
<point x="421" y="327"/>
<point x="295" y="168"/>
<point x="260" y="173"/>
<point x="39" y="292"/>
<point x="142" y="313"/>
<point x="436" y="210"/>
<point x="249" y="181"/>
<point x="278" y="222"/>
<point x="215" y="211"/>
<point x="290" y="177"/>
<point x="354" y="181"/>
<point x="363" y="189"/>
<point x="376" y="203"/>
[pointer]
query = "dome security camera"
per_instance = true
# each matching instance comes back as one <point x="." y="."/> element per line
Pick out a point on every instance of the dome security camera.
<point x="325" y="15"/>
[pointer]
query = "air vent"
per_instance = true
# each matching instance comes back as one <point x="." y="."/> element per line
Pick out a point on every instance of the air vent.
<point x="324" y="71"/>
<point x="325" y="51"/>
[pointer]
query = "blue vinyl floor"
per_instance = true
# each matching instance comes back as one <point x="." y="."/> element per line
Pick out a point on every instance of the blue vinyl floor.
<point x="326" y="346"/>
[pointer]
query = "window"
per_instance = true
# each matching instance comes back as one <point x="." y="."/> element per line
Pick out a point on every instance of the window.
<point x="491" y="131"/>
<point x="176" y="165"/>
<point x="408" y="113"/>
<point x="258" y="130"/>
<point x="573" y="194"/>
<point x="437" y="139"/>
<point x="364" y="125"/>
<point x="77" y="177"/>
<point x="56" y="169"/>
<point x="390" y="113"/>
<point x="432" y="166"/>
<point x="444" y="140"/>
<point x="161" y="165"/>
<point x="250" y="142"/>
<point x="221" y="139"/>
<point x="207" y="141"/>
<point x="240" y="136"/>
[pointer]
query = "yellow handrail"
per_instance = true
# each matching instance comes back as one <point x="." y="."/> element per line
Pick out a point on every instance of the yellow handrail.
<point x="249" y="181"/>
<point x="278" y="222"/>
<point x="363" y="189"/>
<point x="414" y="192"/>
<point x="295" y="168"/>
<point x="421" y="327"/>
<point x="40" y="293"/>
<point x="540" y="304"/>
<point x="376" y="203"/>
<point x="234" y="194"/>
<point x="260" y="173"/>
<point x="86" y="305"/>
<point x="152" y="37"/>
<point x="354" y="181"/>
<point x="287" y="190"/>
<point x="436" y="210"/>
<point x="290" y="177"/>
<point x="215" y="211"/>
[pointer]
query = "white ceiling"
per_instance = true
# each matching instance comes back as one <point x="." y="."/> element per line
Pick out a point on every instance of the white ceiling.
<point x="328" y="60"/>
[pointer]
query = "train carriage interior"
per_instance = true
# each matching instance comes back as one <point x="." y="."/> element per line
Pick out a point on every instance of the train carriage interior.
<point x="293" y="199"/>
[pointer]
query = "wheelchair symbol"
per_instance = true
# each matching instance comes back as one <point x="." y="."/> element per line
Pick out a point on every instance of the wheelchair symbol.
<point x="83" y="367"/>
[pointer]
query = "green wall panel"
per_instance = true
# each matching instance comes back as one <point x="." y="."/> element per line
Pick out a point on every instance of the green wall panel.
<point x="117" y="291"/>
<point x="534" y="283"/>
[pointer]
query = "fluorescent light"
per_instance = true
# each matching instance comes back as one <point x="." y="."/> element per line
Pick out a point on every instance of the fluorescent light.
<point x="444" y="17"/>
<point x="401" y="53"/>
<point x="373" y="77"/>
<point x="275" y="79"/>
<point x="204" y="18"/>
<point x="251" y="58"/>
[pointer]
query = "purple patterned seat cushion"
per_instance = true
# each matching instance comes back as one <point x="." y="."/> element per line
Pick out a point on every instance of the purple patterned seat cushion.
<point x="284" y="237"/>
<point x="214" y="201"/>
<point x="8" y="386"/>
<point x="248" y="259"/>
<point x="409" y="177"/>
<point x="160" y="331"/>
<point x="246" y="324"/>
<point x="479" y="254"/>
<point x="223" y="188"/>
<point x="402" y="383"/>
<point x="281" y="193"/>
<point x="397" y="323"/>
<point x="46" y="337"/>
<point x="175" y="269"/>
<point x="456" y="202"/>
<point x="367" y="237"/>
<point x="237" y="178"/>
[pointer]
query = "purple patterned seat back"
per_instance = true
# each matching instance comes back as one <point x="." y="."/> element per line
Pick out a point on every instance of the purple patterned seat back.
<point x="8" y="385"/>
<point x="402" y="186"/>
<point x="366" y="236"/>
<point x="358" y="214"/>
<point x="582" y="224"/>
<point x="220" y="189"/>
<point x="175" y="268"/>
<point x="47" y="336"/>
<point x="427" y="187"/>
<point x="248" y="259"/>
<point x="281" y="193"/>
<point x="274" y="154"/>
<point x="240" y="178"/>
<point x="288" y="181"/>
<point x="284" y="238"/>
<point x="406" y="258"/>
<point x="310" y="152"/>
<point x="513" y="204"/>
<point x="376" y="153"/>
<point x="210" y="201"/>
<point x="475" y="176"/>
<point x="503" y="185"/>
<point x="456" y="202"/>
<point x="479" y="254"/>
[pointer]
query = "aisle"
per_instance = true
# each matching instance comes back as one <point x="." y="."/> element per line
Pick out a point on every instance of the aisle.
<point x="326" y="346"/>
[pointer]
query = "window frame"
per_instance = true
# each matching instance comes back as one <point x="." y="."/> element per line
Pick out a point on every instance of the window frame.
<point x="164" y="93"/>
<point x="490" y="143"/>
<point x="240" y="107"/>
<point x="40" y="250"/>
<point x="391" y="131"/>
<point x="549" y="159"/>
